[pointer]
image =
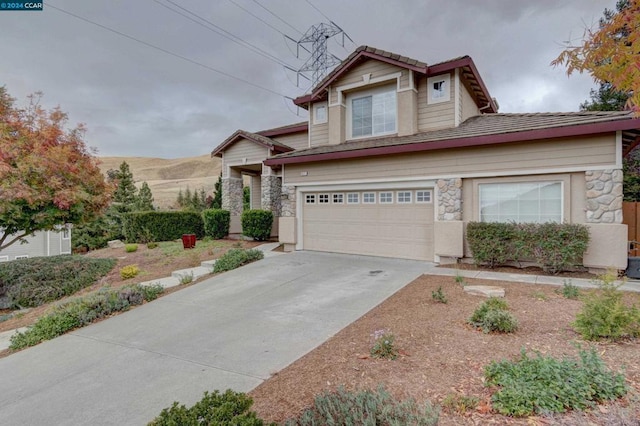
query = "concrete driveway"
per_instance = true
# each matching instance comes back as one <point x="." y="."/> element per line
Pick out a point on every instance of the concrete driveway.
<point x="230" y="331"/>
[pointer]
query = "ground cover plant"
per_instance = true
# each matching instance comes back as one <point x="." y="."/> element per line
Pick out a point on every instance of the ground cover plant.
<point x="493" y="316"/>
<point x="35" y="281"/>
<point x="82" y="311"/>
<point x="235" y="258"/>
<point x="215" y="408"/>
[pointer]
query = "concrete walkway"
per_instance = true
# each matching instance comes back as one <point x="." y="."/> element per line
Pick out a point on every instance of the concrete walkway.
<point x="230" y="331"/>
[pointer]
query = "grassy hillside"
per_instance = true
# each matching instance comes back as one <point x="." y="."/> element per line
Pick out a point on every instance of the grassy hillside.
<point x="167" y="177"/>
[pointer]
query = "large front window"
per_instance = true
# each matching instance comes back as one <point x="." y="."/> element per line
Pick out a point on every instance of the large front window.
<point x="373" y="113"/>
<point x="532" y="202"/>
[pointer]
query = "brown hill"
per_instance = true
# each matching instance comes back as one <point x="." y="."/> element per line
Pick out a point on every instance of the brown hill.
<point x="167" y="177"/>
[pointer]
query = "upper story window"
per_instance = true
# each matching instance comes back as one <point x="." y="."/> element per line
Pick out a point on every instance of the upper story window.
<point x="320" y="113"/>
<point x="372" y="113"/>
<point x="522" y="202"/>
<point x="439" y="89"/>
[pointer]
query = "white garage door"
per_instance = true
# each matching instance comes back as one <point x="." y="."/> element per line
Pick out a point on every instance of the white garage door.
<point x="387" y="223"/>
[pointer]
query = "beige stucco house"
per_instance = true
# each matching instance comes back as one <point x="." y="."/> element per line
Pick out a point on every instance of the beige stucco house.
<point x="398" y="155"/>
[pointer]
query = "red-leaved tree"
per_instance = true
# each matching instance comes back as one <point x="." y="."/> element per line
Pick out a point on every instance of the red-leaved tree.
<point x="48" y="177"/>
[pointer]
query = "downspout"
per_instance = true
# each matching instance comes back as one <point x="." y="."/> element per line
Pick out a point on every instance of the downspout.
<point x="48" y="243"/>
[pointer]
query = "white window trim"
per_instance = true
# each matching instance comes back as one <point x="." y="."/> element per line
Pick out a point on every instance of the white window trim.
<point x="357" y="194"/>
<point x="321" y="197"/>
<point x="333" y="198"/>
<point x="318" y="106"/>
<point x="375" y="198"/>
<point x="309" y="198"/>
<point x="563" y="194"/>
<point x="446" y="78"/>
<point x="4" y="258"/>
<point x="404" y="192"/>
<point x="361" y="94"/>
<point x="385" y="192"/>
<point x="430" y="196"/>
<point x="21" y="256"/>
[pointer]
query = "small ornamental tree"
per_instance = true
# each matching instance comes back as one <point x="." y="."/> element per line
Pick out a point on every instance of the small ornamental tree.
<point x="144" y="199"/>
<point x="47" y="174"/>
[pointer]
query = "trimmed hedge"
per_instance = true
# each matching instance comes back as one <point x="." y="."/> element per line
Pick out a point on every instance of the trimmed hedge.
<point x="143" y="227"/>
<point x="257" y="224"/>
<point x="39" y="280"/>
<point x="555" y="247"/>
<point x="216" y="223"/>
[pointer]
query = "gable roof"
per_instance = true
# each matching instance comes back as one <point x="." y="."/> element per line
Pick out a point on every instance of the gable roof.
<point x="363" y="53"/>
<point x="285" y="130"/>
<point x="479" y="130"/>
<point x="256" y="138"/>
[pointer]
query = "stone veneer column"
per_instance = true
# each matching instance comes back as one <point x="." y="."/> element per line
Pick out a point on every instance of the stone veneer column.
<point x="288" y="205"/>
<point x="232" y="195"/>
<point x="449" y="199"/>
<point x="271" y="189"/>
<point x="604" y="196"/>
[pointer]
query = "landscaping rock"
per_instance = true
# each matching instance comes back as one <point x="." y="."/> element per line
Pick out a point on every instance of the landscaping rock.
<point x="484" y="290"/>
<point x="115" y="244"/>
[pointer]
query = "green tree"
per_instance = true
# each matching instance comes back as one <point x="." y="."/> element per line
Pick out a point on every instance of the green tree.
<point x="144" y="199"/>
<point x="48" y="176"/>
<point x="217" y="198"/>
<point x="125" y="192"/>
<point x="606" y="98"/>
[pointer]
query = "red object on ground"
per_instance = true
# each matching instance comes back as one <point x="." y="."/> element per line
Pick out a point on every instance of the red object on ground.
<point x="188" y="241"/>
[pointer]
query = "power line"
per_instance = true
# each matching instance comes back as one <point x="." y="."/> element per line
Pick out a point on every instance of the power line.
<point x="258" y="18"/>
<point x="224" y="33"/>
<point x="184" y="58"/>
<point x="278" y="17"/>
<point x="330" y="20"/>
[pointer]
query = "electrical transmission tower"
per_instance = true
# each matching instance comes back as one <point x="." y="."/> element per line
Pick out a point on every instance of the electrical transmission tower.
<point x="321" y="59"/>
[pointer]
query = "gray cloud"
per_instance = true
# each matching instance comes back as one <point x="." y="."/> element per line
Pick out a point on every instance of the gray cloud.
<point x="139" y="101"/>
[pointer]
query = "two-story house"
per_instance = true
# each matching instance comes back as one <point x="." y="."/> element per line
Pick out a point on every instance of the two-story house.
<point x="398" y="155"/>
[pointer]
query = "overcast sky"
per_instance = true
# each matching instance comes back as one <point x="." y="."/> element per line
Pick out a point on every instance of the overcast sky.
<point x="139" y="101"/>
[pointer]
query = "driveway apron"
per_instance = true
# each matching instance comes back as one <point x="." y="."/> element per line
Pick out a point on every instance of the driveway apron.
<point x="230" y="331"/>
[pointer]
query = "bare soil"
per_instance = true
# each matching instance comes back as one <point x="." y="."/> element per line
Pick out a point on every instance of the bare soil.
<point x="154" y="263"/>
<point x="440" y="354"/>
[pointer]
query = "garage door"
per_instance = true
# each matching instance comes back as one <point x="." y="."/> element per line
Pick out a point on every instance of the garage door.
<point x="396" y="223"/>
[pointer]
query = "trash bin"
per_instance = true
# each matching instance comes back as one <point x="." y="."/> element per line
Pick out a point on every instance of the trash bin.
<point x="633" y="268"/>
<point x="188" y="241"/>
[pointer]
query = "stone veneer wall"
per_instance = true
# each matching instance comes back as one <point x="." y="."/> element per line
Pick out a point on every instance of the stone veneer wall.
<point x="288" y="205"/>
<point x="270" y="196"/>
<point x="449" y="199"/>
<point x="232" y="195"/>
<point x="604" y="196"/>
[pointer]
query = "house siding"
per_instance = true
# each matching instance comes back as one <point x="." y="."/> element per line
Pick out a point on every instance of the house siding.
<point x="373" y="67"/>
<point x="584" y="153"/>
<point x="298" y="140"/>
<point x="467" y="104"/>
<point x="435" y="116"/>
<point x="319" y="134"/>
<point x="42" y="243"/>
<point x="244" y="149"/>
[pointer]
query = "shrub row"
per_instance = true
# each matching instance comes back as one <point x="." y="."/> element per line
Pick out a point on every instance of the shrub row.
<point x="235" y="258"/>
<point x="554" y="246"/>
<point x="544" y="384"/>
<point x="39" y="280"/>
<point x="144" y="227"/>
<point x="83" y="311"/>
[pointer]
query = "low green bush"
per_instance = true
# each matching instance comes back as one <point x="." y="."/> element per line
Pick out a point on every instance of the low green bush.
<point x="83" y="311"/>
<point x="554" y="246"/>
<point x="257" y="224"/>
<point x="39" y="280"/>
<point x="544" y="384"/>
<point x="235" y="258"/>
<point x="460" y="404"/>
<point x="604" y="315"/>
<point x="152" y="245"/>
<point x="129" y="271"/>
<point x="131" y="248"/>
<point x="365" y="408"/>
<point x="493" y="316"/>
<point x="216" y="223"/>
<point x="568" y="290"/>
<point x="229" y="408"/>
